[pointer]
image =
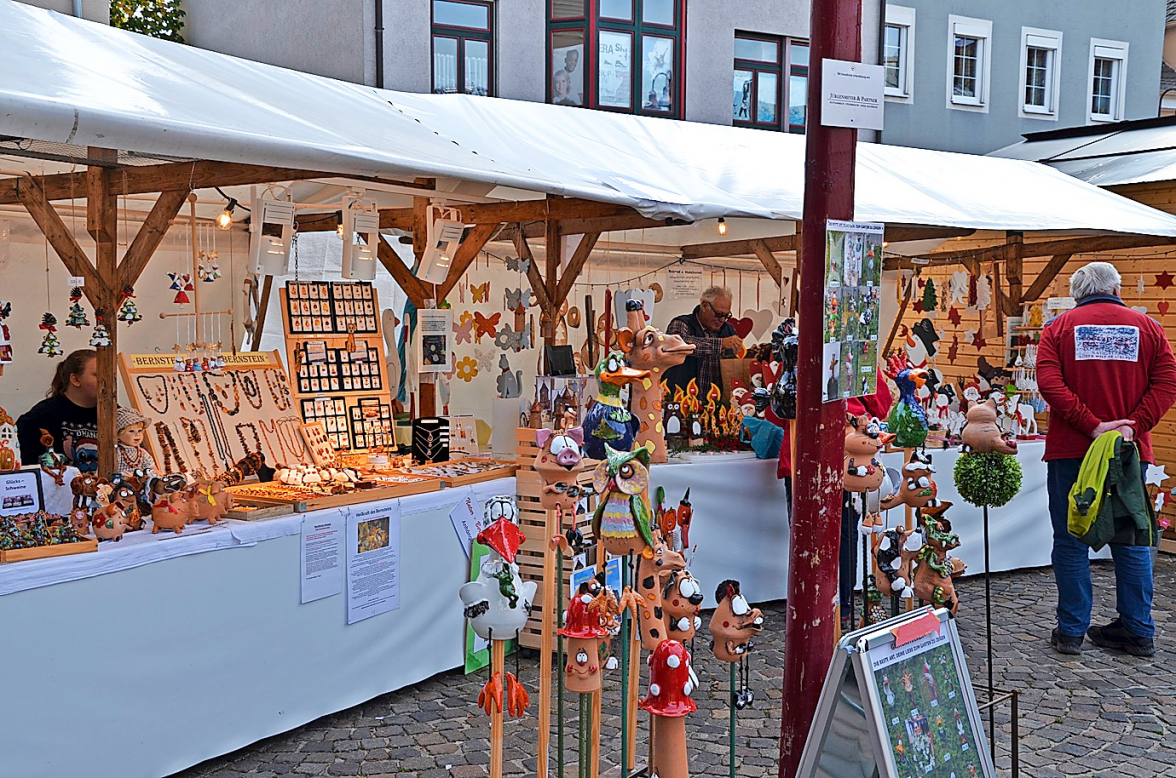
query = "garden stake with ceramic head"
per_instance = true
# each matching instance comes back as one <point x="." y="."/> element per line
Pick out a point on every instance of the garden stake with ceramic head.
<point x="732" y="628"/>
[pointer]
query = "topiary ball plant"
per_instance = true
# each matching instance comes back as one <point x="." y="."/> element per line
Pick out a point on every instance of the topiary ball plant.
<point x="987" y="478"/>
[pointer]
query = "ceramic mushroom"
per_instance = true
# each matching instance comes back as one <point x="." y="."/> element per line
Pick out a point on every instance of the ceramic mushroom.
<point x="558" y="463"/>
<point x="648" y="348"/>
<point x="671" y="682"/>
<point x="733" y="624"/>
<point x="623" y="518"/>
<point x="981" y="433"/>
<point x="863" y="440"/>
<point x="498" y="602"/>
<point x="586" y="628"/>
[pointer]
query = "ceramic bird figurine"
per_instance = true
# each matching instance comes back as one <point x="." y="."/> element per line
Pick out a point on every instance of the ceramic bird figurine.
<point x="908" y="419"/>
<point x="622" y="520"/>
<point x="498" y="602"/>
<point x="608" y="420"/>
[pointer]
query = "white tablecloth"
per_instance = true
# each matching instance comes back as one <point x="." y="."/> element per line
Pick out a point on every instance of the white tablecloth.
<point x="156" y="667"/>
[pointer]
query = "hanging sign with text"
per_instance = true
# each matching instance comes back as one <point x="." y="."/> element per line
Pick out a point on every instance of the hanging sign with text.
<point x="852" y="94"/>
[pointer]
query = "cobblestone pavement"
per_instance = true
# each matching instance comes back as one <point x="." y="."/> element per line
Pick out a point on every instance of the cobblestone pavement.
<point x="1101" y="714"/>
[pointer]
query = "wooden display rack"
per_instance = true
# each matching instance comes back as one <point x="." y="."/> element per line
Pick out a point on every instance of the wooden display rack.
<point x="44" y="552"/>
<point x="310" y="501"/>
<point x="336" y="342"/>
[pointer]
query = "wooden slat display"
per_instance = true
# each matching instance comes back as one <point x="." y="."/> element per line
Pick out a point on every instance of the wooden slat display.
<point x="334" y="391"/>
<point x="215" y="419"/>
<point x="1131" y="263"/>
<point x="533" y="520"/>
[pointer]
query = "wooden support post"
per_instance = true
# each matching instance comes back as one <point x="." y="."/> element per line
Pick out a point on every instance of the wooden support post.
<point x="634" y="692"/>
<point x="97" y="290"/>
<point x="548" y="626"/>
<point x="906" y="300"/>
<point x="465" y="255"/>
<point x="1014" y="247"/>
<point x="262" y="307"/>
<point x="554" y="251"/>
<point x="1045" y="277"/>
<point x="498" y="662"/>
<point x="769" y="261"/>
<point x="1003" y="304"/>
<point x="572" y="271"/>
<point x="538" y="285"/>
<point x="102" y="224"/>
<point x="412" y="286"/>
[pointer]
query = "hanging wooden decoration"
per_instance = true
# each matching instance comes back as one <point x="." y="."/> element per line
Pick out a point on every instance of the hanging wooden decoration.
<point x="1164" y="280"/>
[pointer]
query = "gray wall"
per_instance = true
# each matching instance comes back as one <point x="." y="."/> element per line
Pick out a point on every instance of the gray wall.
<point x="927" y="122"/>
<point x="93" y="10"/>
<point x="332" y="38"/>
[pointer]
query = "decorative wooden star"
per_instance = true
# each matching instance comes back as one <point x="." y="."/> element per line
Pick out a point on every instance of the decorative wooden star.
<point x="954" y="349"/>
<point x="1156" y="474"/>
<point x="918" y="306"/>
<point x="953" y="315"/>
<point x="1164" y="280"/>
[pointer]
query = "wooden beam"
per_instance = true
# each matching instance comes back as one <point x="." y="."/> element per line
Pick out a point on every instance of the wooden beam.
<point x="538" y="286"/>
<point x="102" y="222"/>
<point x="572" y="271"/>
<point x="1014" y="244"/>
<point x="558" y="208"/>
<point x="149" y="179"/>
<point x="465" y="255"/>
<point x="412" y="286"/>
<point x="262" y="307"/>
<point x="770" y="263"/>
<point x="149" y="236"/>
<point x="732" y="248"/>
<point x="63" y="242"/>
<point x="553" y="252"/>
<point x="420" y="227"/>
<point x="906" y="300"/>
<point x="1045" y="277"/>
<point x="633" y="221"/>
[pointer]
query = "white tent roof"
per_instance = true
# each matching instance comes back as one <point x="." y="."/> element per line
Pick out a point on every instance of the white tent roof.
<point x="75" y="82"/>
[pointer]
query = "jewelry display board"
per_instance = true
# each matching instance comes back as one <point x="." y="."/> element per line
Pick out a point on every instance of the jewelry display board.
<point x="335" y="350"/>
<point x="206" y="422"/>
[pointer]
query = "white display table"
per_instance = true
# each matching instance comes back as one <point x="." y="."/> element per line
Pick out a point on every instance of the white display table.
<point x="148" y="670"/>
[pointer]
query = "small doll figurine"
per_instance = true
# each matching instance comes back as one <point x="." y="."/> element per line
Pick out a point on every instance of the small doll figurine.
<point x="132" y="429"/>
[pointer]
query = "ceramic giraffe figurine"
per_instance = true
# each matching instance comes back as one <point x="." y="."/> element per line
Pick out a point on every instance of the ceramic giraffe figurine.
<point x="648" y="348"/>
<point x="653" y="574"/>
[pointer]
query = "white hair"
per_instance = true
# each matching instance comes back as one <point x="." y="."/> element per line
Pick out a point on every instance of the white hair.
<point x="712" y="293"/>
<point x="1095" y="278"/>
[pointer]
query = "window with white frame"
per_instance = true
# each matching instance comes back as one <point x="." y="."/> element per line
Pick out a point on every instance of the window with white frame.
<point x="897" y="47"/>
<point x="1041" y="52"/>
<point x="1108" y="73"/>
<point x="969" y="62"/>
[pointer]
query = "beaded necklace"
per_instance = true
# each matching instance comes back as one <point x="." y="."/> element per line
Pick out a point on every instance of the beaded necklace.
<point x="167" y="444"/>
<point x="252" y="390"/>
<point x="188" y="396"/>
<point x="195" y="438"/>
<point x="281" y="449"/>
<point x="236" y="394"/>
<point x="147" y="395"/>
<point x="280" y="394"/>
<point x="241" y="435"/>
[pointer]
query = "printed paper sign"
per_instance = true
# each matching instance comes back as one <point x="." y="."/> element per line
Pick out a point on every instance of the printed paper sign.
<point x="852" y="94"/>
<point x="466" y="522"/>
<point x="684" y="283"/>
<point x="1111" y="342"/>
<point x="853" y="281"/>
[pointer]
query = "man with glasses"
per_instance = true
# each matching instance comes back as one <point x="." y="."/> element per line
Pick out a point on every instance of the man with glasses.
<point x="707" y="328"/>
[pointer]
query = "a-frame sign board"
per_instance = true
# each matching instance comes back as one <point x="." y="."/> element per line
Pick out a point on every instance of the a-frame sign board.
<point x="898" y="703"/>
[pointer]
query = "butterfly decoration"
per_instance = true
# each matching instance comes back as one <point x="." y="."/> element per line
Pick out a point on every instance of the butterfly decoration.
<point x="481" y="294"/>
<point x="508" y="340"/>
<point x="485" y="359"/>
<point x="464" y="329"/>
<point x="485" y="325"/>
<point x="518" y="298"/>
<point x="518" y="265"/>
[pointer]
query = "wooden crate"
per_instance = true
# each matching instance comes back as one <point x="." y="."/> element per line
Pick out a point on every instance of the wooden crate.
<point x="44" y="552"/>
<point x="1168" y="546"/>
<point x="534" y="521"/>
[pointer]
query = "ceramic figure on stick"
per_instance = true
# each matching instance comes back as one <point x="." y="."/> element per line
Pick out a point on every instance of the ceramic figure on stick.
<point x="648" y="348"/>
<point x="917" y="487"/>
<point x="981" y="433"/>
<point x="622" y="521"/>
<point x="682" y="603"/>
<point x="671" y="682"/>
<point x="653" y="575"/>
<point x="733" y="624"/>
<point x="935" y="569"/>
<point x="908" y="418"/>
<point x="863" y="440"/>
<point x="558" y="463"/>
<point x="586" y="626"/>
<point x="607" y="421"/>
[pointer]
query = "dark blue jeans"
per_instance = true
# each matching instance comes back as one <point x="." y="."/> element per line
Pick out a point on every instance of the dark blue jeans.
<point x="1071" y="566"/>
<point x="851" y="547"/>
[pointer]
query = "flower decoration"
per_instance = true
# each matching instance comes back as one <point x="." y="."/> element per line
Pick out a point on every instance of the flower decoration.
<point x="467" y="368"/>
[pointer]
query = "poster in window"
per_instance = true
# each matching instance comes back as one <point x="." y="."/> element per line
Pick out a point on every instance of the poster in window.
<point x="741" y="96"/>
<point x="853" y="277"/>
<point x="657" y="73"/>
<point x="615" y="69"/>
<point x="567" y="71"/>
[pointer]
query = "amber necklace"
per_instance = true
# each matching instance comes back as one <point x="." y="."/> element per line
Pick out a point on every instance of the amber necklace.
<point x="221" y="402"/>
<point x="241" y="435"/>
<point x="252" y="390"/>
<point x="167" y="444"/>
<point x="166" y="397"/>
<point x="281" y="394"/>
<point x="276" y="424"/>
<point x="195" y="438"/>
<point x="296" y="446"/>
<point x="188" y="396"/>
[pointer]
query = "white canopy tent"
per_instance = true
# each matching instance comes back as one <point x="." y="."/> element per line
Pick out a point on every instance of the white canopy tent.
<point x="75" y="82"/>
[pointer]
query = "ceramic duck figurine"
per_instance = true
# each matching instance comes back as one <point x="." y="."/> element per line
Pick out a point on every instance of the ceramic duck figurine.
<point x="622" y="521"/>
<point x="607" y="420"/>
<point x="908" y="418"/>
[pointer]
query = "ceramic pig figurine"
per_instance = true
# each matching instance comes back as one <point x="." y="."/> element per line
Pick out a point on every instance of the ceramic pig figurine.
<point x="863" y="440"/>
<point x="559" y="461"/>
<point x="110" y="523"/>
<point x="210" y="501"/>
<point x="172" y="512"/>
<point x="982" y="434"/>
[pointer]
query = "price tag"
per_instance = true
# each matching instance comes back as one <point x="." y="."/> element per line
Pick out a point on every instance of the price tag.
<point x="77" y="282"/>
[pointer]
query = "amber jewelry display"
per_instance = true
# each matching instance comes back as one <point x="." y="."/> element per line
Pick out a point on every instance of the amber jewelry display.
<point x="280" y="394"/>
<point x="252" y="390"/>
<point x="220" y="401"/>
<point x="167" y="445"/>
<point x="151" y="398"/>
<point x="190" y="405"/>
<point x="195" y="438"/>
<point x="256" y="437"/>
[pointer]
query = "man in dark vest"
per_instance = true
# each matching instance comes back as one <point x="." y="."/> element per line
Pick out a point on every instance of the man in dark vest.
<point x="707" y="328"/>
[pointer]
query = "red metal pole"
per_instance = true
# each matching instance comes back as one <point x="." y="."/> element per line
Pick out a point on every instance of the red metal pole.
<point x="820" y="427"/>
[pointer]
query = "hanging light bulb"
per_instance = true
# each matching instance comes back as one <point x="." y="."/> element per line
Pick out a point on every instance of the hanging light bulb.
<point x="225" y="219"/>
<point x="722" y="226"/>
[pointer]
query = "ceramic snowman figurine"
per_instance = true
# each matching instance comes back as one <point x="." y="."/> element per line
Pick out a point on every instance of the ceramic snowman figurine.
<point x="498" y="602"/>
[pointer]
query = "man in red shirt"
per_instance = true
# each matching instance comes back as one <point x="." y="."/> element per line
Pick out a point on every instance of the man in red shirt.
<point x="1101" y="366"/>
